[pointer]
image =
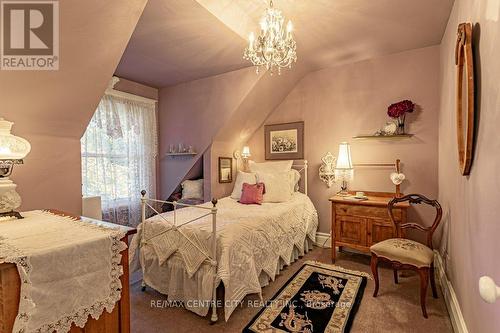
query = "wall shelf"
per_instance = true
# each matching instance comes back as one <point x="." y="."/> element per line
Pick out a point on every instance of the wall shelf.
<point x="181" y="154"/>
<point x="383" y="137"/>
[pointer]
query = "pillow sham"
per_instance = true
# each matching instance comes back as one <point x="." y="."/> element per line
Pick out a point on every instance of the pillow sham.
<point x="252" y="194"/>
<point x="192" y="189"/>
<point x="242" y="177"/>
<point x="269" y="167"/>
<point x="277" y="185"/>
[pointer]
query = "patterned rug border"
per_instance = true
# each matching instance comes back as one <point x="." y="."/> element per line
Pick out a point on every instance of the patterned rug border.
<point x="340" y="269"/>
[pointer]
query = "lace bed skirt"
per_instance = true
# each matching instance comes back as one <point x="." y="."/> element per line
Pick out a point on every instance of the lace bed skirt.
<point x="195" y="293"/>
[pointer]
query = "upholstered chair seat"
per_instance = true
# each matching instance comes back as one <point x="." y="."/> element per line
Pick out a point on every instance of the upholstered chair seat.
<point x="404" y="251"/>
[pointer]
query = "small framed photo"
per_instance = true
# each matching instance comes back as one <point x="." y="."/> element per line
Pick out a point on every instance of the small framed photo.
<point x="284" y="141"/>
<point x="225" y="170"/>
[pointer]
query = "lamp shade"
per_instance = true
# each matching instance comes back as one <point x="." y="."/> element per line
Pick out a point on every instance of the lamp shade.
<point x="245" y="153"/>
<point x="12" y="147"/>
<point x="344" y="161"/>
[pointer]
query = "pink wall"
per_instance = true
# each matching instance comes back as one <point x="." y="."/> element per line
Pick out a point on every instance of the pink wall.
<point x="192" y="114"/>
<point x="471" y="203"/>
<point x="52" y="108"/>
<point x="215" y="115"/>
<point x="341" y="102"/>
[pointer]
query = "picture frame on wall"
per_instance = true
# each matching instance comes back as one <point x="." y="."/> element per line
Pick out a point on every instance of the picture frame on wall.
<point x="225" y="170"/>
<point x="284" y="141"/>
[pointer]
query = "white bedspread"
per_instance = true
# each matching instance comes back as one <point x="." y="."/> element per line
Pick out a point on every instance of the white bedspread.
<point x="251" y="239"/>
<point x="69" y="269"/>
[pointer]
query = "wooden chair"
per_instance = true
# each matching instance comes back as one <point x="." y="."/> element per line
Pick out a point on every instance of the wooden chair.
<point x="408" y="254"/>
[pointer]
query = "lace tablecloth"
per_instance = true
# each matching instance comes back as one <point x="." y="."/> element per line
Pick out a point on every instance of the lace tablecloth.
<point x="69" y="269"/>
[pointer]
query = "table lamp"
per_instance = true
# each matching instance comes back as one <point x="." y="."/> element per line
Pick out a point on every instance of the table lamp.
<point x="344" y="170"/>
<point x="12" y="151"/>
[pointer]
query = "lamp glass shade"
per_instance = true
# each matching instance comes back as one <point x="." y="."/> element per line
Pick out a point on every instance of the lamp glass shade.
<point x="245" y="153"/>
<point x="12" y="147"/>
<point x="344" y="161"/>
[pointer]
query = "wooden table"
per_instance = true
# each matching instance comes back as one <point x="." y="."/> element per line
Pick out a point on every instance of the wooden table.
<point x="118" y="321"/>
<point x="360" y="224"/>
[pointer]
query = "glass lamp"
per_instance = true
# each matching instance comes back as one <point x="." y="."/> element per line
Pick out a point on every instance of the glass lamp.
<point x="344" y="170"/>
<point x="13" y="150"/>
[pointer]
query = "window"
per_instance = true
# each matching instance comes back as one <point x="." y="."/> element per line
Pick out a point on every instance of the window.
<point x="119" y="150"/>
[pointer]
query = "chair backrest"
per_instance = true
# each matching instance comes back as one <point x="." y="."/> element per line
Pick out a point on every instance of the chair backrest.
<point x="416" y="199"/>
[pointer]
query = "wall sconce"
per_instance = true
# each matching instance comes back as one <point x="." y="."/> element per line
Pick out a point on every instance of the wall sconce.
<point x="13" y="150"/>
<point x="244" y="155"/>
<point x="344" y="170"/>
<point x="327" y="169"/>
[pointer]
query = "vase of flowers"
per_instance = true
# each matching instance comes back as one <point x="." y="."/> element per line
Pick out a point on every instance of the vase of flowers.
<point x="398" y="111"/>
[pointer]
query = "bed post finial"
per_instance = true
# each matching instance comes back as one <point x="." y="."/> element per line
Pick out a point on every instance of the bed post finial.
<point x="214" y="202"/>
<point x="143" y="193"/>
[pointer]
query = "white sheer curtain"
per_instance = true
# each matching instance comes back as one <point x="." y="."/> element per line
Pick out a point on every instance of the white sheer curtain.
<point x="119" y="150"/>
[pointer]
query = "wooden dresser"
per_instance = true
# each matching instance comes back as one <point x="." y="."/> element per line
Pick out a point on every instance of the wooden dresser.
<point x="360" y="224"/>
<point x="118" y="321"/>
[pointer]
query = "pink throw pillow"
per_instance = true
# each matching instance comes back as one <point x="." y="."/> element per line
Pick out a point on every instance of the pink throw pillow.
<point x="252" y="194"/>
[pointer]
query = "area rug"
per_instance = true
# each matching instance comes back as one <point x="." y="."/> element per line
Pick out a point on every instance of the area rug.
<point x="318" y="298"/>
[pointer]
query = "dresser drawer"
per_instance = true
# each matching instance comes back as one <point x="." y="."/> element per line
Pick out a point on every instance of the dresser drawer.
<point x="366" y="211"/>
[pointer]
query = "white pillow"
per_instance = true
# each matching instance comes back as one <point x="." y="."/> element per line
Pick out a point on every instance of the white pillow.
<point x="192" y="189"/>
<point x="294" y="176"/>
<point x="270" y="167"/>
<point x="242" y="177"/>
<point x="277" y="186"/>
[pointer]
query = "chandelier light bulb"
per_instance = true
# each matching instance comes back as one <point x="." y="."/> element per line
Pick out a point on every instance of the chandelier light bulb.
<point x="289" y="26"/>
<point x="251" y="40"/>
<point x="263" y="25"/>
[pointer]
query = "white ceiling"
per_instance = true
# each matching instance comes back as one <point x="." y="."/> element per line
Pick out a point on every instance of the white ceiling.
<point x="183" y="40"/>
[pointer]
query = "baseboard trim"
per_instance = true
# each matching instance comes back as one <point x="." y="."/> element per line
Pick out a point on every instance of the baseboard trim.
<point x="323" y="240"/>
<point x="450" y="298"/>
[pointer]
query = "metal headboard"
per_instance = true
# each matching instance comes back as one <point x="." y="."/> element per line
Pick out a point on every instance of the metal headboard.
<point x="301" y="166"/>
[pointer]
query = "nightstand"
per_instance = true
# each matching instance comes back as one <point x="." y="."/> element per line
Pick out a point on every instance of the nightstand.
<point x="358" y="224"/>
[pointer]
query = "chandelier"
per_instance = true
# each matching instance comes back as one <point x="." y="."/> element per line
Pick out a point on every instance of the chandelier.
<point x="275" y="47"/>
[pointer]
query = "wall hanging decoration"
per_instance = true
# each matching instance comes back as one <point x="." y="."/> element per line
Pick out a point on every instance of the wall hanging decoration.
<point x="225" y="170"/>
<point x="327" y="169"/>
<point x="284" y="141"/>
<point x="464" y="62"/>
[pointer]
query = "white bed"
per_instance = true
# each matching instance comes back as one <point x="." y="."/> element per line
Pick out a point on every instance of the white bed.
<point x="253" y="243"/>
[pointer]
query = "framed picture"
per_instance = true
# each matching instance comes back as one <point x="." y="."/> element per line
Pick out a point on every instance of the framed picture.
<point x="225" y="170"/>
<point x="284" y="141"/>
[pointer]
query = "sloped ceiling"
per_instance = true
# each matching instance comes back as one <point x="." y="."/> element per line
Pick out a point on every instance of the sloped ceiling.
<point x="177" y="41"/>
<point x="178" y="44"/>
<point x="184" y="40"/>
<point x="52" y="108"/>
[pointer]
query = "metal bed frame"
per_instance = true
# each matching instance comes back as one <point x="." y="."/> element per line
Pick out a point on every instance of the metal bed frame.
<point x="210" y="257"/>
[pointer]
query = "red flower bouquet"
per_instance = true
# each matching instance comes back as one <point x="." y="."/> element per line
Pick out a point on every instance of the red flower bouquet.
<point x="398" y="111"/>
